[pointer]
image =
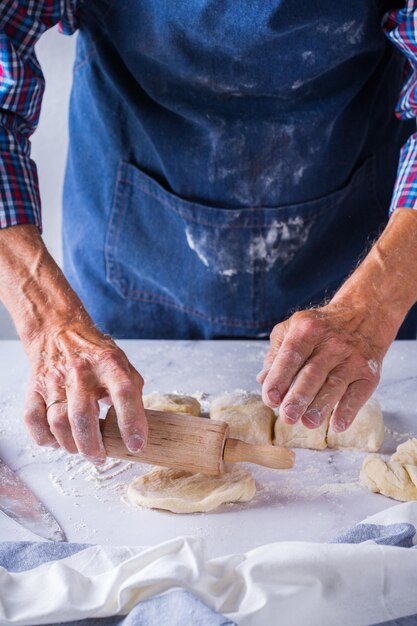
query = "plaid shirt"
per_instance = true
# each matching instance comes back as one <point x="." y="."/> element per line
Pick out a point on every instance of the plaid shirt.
<point x="22" y="22"/>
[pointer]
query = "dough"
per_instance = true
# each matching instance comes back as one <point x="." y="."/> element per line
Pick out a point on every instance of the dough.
<point x="183" y="492"/>
<point x="406" y="453"/>
<point x="365" y="433"/>
<point x="396" y="478"/>
<point x="172" y="402"/>
<point x="247" y="416"/>
<point x="390" y="478"/>
<point x="299" y="436"/>
<point x="180" y="491"/>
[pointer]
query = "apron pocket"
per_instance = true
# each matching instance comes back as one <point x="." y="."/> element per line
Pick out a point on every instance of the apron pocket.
<point x="233" y="267"/>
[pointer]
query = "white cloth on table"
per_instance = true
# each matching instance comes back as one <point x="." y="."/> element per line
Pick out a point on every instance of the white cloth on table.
<point x="301" y="582"/>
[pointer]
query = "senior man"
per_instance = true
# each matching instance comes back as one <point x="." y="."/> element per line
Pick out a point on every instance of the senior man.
<point x="229" y="163"/>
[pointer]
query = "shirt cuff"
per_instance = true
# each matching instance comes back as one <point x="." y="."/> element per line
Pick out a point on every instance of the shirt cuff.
<point x="405" y="190"/>
<point x="19" y="191"/>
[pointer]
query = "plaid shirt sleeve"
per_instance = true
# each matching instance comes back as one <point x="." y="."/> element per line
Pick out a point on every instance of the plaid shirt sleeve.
<point x="400" y="26"/>
<point x="22" y="22"/>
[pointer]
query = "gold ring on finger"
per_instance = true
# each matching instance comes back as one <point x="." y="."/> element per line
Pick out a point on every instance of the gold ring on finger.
<point x="48" y="406"/>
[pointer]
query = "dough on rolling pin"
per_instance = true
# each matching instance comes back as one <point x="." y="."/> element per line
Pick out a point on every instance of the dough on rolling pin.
<point x="390" y="478"/>
<point x="365" y="433"/>
<point x="183" y="492"/>
<point x="299" y="436"/>
<point x="172" y="402"/>
<point x="247" y="416"/>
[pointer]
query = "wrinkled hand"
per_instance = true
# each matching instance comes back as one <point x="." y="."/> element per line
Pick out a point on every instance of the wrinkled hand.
<point x="324" y="358"/>
<point x="78" y="364"/>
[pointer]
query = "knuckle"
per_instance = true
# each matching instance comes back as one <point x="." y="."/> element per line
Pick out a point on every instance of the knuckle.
<point x="78" y="370"/>
<point x="58" y="421"/>
<point x="336" y="382"/>
<point x="31" y="415"/>
<point x="291" y="356"/>
<point x="112" y="359"/>
<point x="311" y="375"/>
<point x="126" y="388"/>
<point x="307" y="326"/>
<point x="138" y="380"/>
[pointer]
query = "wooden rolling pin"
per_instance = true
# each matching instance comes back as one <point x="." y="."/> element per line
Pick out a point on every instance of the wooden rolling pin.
<point x="194" y="444"/>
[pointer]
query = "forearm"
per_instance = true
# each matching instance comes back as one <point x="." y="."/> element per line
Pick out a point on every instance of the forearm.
<point x="32" y="287"/>
<point x="384" y="285"/>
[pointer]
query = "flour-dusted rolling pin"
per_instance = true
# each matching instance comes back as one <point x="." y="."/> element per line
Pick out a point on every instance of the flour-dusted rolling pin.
<point x="194" y="444"/>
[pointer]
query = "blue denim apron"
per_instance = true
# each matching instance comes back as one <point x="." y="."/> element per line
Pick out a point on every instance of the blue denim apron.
<point x="229" y="161"/>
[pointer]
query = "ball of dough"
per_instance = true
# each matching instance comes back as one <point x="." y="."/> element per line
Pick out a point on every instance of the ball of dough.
<point x="171" y="402"/>
<point x="183" y="492"/>
<point x="406" y="453"/>
<point x="299" y="436"/>
<point x="390" y="478"/>
<point x="365" y="433"/>
<point x="247" y="416"/>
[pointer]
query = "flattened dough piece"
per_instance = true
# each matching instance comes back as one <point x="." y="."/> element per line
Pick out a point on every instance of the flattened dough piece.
<point x="365" y="433"/>
<point x="406" y="453"/>
<point x="248" y="417"/>
<point x="183" y="492"/>
<point x="172" y="402"/>
<point x="390" y="478"/>
<point x="299" y="436"/>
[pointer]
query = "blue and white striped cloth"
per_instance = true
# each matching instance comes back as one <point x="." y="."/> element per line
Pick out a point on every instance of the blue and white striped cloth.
<point x="366" y="576"/>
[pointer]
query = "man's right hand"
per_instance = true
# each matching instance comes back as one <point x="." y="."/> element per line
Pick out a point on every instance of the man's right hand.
<point x="72" y="362"/>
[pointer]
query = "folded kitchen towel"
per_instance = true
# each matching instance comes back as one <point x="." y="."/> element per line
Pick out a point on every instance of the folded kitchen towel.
<point x="175" y="608"/>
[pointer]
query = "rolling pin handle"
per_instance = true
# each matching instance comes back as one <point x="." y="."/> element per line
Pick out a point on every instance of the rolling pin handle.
<point x="275" y="457"/>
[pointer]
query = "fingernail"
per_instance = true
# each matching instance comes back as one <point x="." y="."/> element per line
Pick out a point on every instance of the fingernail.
<point x="54" y="444"/>
<point x="98" y="461"/>
<point x="339" y="426"/>
<point x="313" y="416"/>
<point x="292" y="411"/>
<point x="92" y="459"/>
<point x="274" y="395"/>
<point x="135" y="443"/>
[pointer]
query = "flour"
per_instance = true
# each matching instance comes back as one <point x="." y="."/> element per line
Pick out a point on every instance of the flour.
<point x="102" y="478"/>
<point x="197" y="246"/>
<point x="98" y="477"/>
<point x="220" y="251"/>
<point x="399" y="436"/>
<point x="293" y="489"/>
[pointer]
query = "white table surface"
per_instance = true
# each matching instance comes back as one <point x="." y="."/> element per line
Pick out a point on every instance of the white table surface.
<point x="315" y="501"/>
